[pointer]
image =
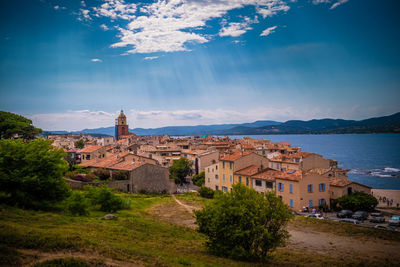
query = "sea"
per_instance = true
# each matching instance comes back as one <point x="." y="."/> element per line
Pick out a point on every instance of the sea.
<point x="373" y="159"/>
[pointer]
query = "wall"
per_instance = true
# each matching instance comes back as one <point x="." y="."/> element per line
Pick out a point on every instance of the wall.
<point x="151" y="178"/>
<point x="338" y="191"/>
<point x="211" y="177"/>
<point x="208" y="159"/>
<point x="314" y="161"/>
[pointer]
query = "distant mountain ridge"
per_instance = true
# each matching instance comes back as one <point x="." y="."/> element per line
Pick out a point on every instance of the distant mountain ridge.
<point x="386" y="124"/>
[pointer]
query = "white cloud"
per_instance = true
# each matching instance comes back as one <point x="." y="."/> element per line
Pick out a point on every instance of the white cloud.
<point x="169" y="26"/>
<point x="83" y="3"/>
<point x="84" y="14"/>
<point x="150" y="58"/>
<point x="56" y="7"/>
<point x="338" y="3"/>
<point x="236" y="29"/>
<point x="59" y="7"/>
<point x="104" y="27"/>
<point x="96" y="60"/>
<point x="268" y="31"/>
<point x="333" y="6"/>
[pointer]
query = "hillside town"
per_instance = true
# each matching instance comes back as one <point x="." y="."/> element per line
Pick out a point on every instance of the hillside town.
<point x="301" y="179"/>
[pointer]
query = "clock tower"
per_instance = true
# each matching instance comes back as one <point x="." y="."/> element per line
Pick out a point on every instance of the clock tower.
<point x="121" y="126"/>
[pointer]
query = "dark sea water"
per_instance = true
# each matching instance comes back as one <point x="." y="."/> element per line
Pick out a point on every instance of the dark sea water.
<point x="374" y="159"/>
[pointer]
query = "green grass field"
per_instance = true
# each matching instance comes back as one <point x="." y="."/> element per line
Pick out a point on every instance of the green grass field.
<point x="136" y="236"/>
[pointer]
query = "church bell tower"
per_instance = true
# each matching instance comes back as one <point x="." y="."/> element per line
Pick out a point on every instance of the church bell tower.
<point x="121" y="126"/>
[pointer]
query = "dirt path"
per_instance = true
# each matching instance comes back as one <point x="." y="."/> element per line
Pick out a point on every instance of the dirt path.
<point x="36" y="256"/>
<point x="303" y="240"/>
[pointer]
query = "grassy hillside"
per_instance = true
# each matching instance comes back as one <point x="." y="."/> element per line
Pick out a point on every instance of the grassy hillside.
<point x="135" y="237"/>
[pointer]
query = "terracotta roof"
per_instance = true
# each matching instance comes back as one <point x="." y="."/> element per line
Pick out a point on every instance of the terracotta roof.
<point x="319" y="171"/>
<point x="340" y="182"/>
<point x="122" y="161"/>
<point x="290" y="175"/>
<point x="234" y="156"/>
<point x="268" y="175"/>
<point x="90" y="149"/>
<point x="250" y="170"/>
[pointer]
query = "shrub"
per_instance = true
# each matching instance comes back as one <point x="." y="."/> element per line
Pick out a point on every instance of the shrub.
<point x="31" y="173"/>
<point x="82" y="178"/>
<point x="206" y="192"/>
<point x="106" y="198"/>
<point x="199" y="179"/>
<point x="70" y="174"/>
<point x="120" y="175"/>
<point x="103" y="174"/>
<point x="77" y="204"/>
<point x="358" y="201"/>
<point x="243" y="224"/>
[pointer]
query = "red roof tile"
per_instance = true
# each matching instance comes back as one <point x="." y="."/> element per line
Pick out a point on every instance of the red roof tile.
<point x="250" y="170"/>
<point x="234" y="156"/>
<point x="90" y="149"/>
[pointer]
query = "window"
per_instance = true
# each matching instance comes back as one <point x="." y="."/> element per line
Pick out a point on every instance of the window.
<point x="291" y="188"/>
<point x="310" y="204"/>
<point x="230" y="165"/>
<point x="291" y="203"/>
<point x="280" y="187"/>
<point x="309" y="188"/>
<point x="216" y="167"/>
<point x="321" y="187"/>
<point x="208" y="179"/>
<point x="258" y="183"/>
<point x="297" y="160"/>
<point x="230" y="178"/>
<point x="269" y="184"/>
<point x="216" y="176"/>
<point x="247" y="180"/>
<point x="322" y="201"/>
<point x="223" y="177"/>
<point x="224" y="189"/>
<point x="223" y="165"/>
<point x="283" y="169"/>
<point x="208" y="169"/>
<point x="216" y="187"/>
<point x="240" y="179"/>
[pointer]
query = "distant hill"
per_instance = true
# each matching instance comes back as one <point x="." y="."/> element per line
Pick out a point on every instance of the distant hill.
<point x="386" y="124"/>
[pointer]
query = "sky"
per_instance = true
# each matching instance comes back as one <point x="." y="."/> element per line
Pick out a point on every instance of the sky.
<point x="72" y="64"/>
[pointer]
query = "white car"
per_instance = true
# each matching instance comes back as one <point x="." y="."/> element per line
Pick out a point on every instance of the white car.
<point x="316" y="216"/>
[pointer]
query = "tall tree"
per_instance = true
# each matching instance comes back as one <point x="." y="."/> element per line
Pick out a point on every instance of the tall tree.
<point x="180" y="169"/>
<point x="31" y="173"/>
<point x="15" y="125"/>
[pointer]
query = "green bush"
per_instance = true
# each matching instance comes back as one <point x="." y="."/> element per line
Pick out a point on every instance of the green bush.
<point x="180" y="169"/>
<point x="77" y="204"/>
<point x="244" y="224"/>
<point x="106" y="198"/>
<point x="120" y="175"/>
<point x="103" y="174"/>
<point x="206" y="192"/>
<point x="358" y="201"/>
<point x="31" y="173"/>
<point x="199" y="179"/>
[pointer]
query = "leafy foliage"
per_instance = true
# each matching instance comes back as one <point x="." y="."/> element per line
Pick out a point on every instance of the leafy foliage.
<point x="120" y="175"/>
<point x="80" y="144"/>
<point x="199" y="179"/>
<point x="103" y="174"/>
<point x="180" y="170"/>
<point x="106" y="198"/>
<point x="244" y="224"/>
<point x="358" y="201"/>
<point x="31" y="173"/>
<point x="77" y="204"/>
<point x="12" y="124"/>
<point x="206" y="192"/>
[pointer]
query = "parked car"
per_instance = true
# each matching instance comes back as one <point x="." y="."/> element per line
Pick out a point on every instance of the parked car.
<point x="344" y="214"/>
<point x="348" y="220"/>
<point x="377" y="217"/>
<point x="394" y="221"/>
<point x="317" y="216"/>
<point x="360" y="215"/>
<point x="391" y="228"/>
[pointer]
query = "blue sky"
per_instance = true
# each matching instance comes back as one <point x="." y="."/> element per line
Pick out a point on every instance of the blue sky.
<point x="70" y="65"/>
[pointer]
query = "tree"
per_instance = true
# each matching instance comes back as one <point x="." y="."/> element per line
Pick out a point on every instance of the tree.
<point x="105" y="197"/>
<point x="31" y="173"/>
<point x="15" y="125"/>
<point x="180" y="170"/>
<point x="244" y="224"/>
<point x="80" y="144"/>
<point x="77" y="204"/>
<point x="103" y="174"/>
<point x="358" y="201"/>
<point x="199" y="179"/>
